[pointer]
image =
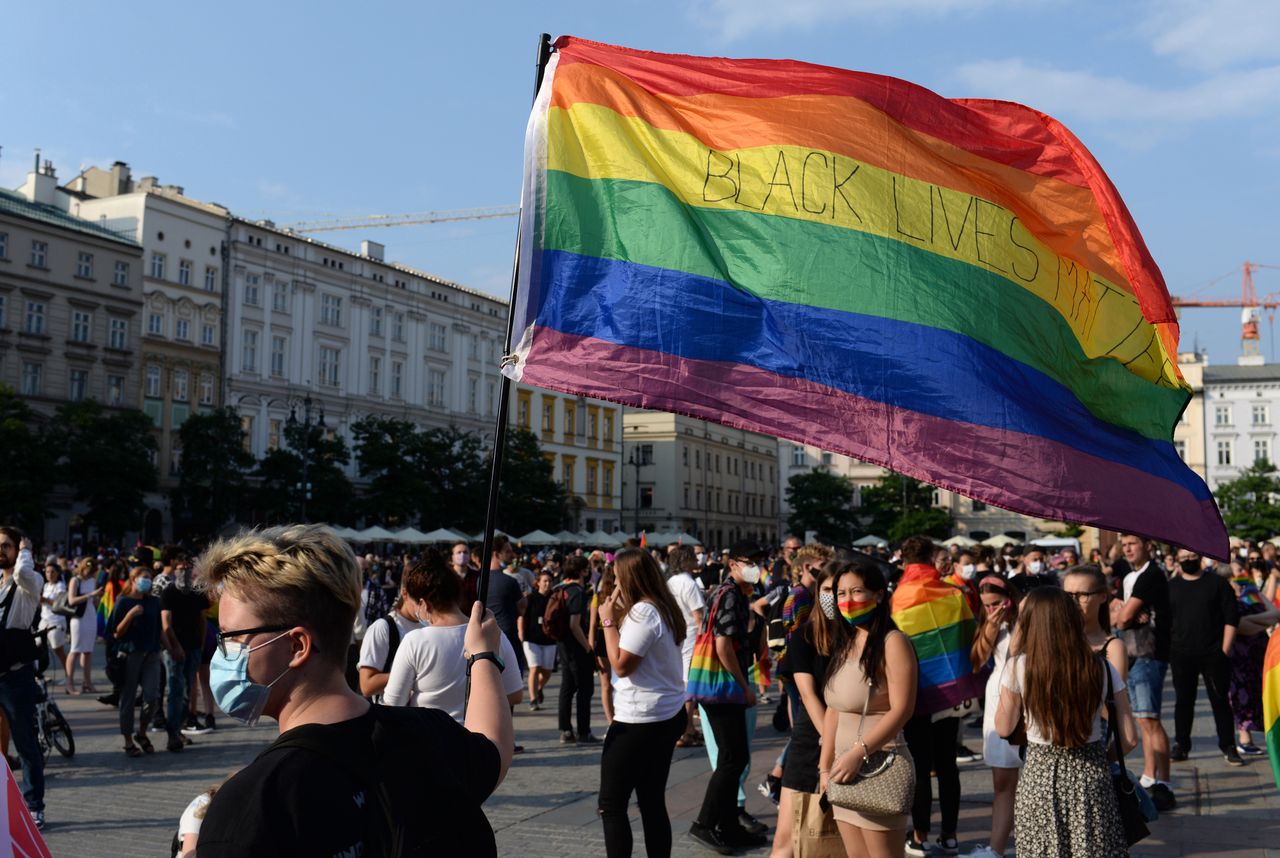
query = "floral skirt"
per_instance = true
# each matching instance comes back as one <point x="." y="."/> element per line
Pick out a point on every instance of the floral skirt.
<point x="1066" y="805"/>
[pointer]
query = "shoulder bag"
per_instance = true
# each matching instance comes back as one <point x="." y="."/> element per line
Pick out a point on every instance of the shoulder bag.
<point x="886" y="783"/>
<point x="1132" y="817"/>
<point x="709" y="680"/>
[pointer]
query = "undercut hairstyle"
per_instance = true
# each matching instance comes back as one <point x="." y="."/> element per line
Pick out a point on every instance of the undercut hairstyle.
<point x="293" y="575"/>
<point x="812" y="553"/>
<point x="574" y="567"/>
<point x="917" y="549"/>
<point x="433" y="581"/>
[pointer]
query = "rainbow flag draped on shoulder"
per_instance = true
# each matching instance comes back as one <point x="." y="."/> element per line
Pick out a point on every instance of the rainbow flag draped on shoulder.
<point x="950" y="288"/>
<point x="936" y="616"/>
<point x="1271" y="703"/>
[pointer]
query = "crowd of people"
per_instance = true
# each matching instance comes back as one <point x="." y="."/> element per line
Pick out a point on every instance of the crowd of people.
<point x="390" y="682"/>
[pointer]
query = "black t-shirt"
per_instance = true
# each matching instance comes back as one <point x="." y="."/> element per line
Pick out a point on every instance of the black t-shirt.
<point x="578" y="605"/>
<point x="709" y="577"/>
<point x="502" y="598"/>
<point x="309" y="801"/>
<point x="186" y="606"/>
<point x="1199" y="609"/>
<point x="1153" y="589"/>
<point x="143" y="632"/>
<point x="534" y="611"/>
<point x="800" y="772"/>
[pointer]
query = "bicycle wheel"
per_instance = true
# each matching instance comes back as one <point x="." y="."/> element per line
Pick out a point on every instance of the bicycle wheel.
<point x="59" y="731"/>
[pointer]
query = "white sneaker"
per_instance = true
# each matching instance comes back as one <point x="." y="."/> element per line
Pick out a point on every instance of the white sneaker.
<point x="984" y="852"/>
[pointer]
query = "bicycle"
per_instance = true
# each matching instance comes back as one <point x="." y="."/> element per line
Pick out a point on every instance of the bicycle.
<point x="52" y="729"/>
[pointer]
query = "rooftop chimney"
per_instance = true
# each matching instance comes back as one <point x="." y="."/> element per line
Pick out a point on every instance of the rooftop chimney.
<point x="120" y="178"/>
<point x="373" y="250"/>
<point x="42" y="183"/>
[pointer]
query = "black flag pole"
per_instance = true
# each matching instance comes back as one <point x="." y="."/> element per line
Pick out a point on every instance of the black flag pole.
<point x="500" y="430"/>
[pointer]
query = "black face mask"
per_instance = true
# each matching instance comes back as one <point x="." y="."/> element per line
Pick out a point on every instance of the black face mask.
<point x="1191" y="567"/>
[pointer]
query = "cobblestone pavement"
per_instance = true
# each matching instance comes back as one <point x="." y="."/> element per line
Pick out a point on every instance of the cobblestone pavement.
<point x="102" y="803"/>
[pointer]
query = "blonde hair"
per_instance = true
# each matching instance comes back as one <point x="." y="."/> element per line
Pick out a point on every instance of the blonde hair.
<point x="293" y="575"/>
<point x="811" y="553"/>
<point x="85" y="566"/>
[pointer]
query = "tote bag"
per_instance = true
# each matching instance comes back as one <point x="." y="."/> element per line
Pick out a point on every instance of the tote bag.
<point x="709" y="680"/>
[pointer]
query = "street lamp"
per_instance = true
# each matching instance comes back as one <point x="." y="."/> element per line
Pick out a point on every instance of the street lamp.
<point x="634" y="461"/>
<point x="304" y="487"/>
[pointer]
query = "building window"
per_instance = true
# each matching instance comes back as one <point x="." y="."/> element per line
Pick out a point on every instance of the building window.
<point x="329" y="366"/>
<point x="1180" y="447"/>
<point x="206" y="389"/>
<point x="210" y="279"/>
<point x="331" y="310"/>
<point x="435" y="388"/>
<point x="2" y="309"/>
<point x="438" y="341"/>
<point x="180" y="384"/>
<point x="646" y="454"/>
<point x="491" y="396"/>
<point x="375" y="322"/>
<point x="39" y="254"/>
<point x="397" y="378"/>
<point x="81" y="325"/>
<point x="153" y="381"/>
<point x="252" y="287"/>
<point x="697" y="459"/>
<point x="548" y="414"/>
<point x="32" y="379"/>
<point x="375" y="376"/>
<point x="570" y="422"/>
<point x="273" y="434"/>
<point x="523" y="399"/>
<point x="84" y="265"/>
<point x="646" y="497"/>
<point x="1224" y="452"/>
<point x="593" y="425"/>
<point x="246" y="429"/>
<point x="1261" y="414"/>
<point x="157" y="266"/>
<point x="280" y="298"/>
<point x="608" y="428"/>
<point x="1262" y="449"/>
<point x="184" y="272"/>
<point x="4" y="245"/>
<point x="566" y="473"/>
<point x="475" y="347"/>
<point x="606" y="485"/>
<point x="119" y="334"/>
<point x="120" y="276"/>
<point x="249" y="352"/>
<point x="717" y="463"/>
<point x="183" y="330"/>
<point x="115" y="390"/>
<point x="826" y="459"/>
<point x="35" y="317"/>
<point x="1222" y="415"/>
<point x="207" y="335"/>
<point x="279" y="346"/>
<point x="155" y="324"/>
<point x="684" y="455"/>
<point x="473" y="395"/>
<point x="77" y="384"/>
<point x="593" y="474"/>
<point x="397" y="327"/>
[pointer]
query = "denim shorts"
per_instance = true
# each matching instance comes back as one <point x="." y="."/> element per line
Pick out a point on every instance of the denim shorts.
<point x="1146" y="686"/>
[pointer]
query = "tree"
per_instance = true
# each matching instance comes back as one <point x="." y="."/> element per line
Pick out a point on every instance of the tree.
<point x="280" y="474"/>
<point x="26" y="464"/>
<point x="455" y="476"/>
<point x="212" y="481"/>
<point x="1249" y="502"/>
<point x="107" y="462"/>
<point x="529" y="497"/>
<point x="899" y="507"/>
<point x="823" y="502"/>
<point x="385" y="452"/>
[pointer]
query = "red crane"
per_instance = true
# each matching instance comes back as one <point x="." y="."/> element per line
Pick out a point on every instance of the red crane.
<point x="1251" y="306"/>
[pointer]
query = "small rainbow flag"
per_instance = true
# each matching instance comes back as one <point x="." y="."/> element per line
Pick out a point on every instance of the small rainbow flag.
<point x="1271" y="703"/>
<point x="936" y="616"/>
<point x="1249" y="593"/>
<point x="106" y="602"/>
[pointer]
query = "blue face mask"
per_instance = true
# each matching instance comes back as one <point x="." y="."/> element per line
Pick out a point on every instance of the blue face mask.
<point x="233" y="690"/>
<point x="143" y="585"/>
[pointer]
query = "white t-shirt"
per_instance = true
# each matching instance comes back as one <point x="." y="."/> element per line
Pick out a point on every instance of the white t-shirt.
<point x="525" y="578"/>
<point x="48" y="619"/>
<point x="655" y="690"/>
<point x="377" y="640"/>
<point x="689" y="597"/>
<point x="430" y="671"/>
<point x="1014" y="679"/>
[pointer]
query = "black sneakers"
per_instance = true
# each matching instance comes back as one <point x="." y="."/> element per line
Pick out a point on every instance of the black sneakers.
<point x="750" y="824"/>
<point x="710" y="838"/>
<point x="1232" y="758"/>
<point x="1162" y="797"/>
<point x="1178" y="753"/>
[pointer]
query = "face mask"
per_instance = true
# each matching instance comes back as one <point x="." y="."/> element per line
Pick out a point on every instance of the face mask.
<point x="461" y="558"/>
<point x="143" y="585"/>
<point x="701" y="558"/>
<point x="1191" y="567"/>
<point x="233" y="690"/>
<point x="1035" y="567"/>
<point x="855" y="612"/>
<point x="967" y="571"/>
<point x="827" y="601"/>
<point x="425" y="620"/>
<point x="751" y="574"/>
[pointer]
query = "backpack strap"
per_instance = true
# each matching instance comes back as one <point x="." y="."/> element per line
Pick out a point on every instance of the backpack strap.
<point x="393" y="642"/>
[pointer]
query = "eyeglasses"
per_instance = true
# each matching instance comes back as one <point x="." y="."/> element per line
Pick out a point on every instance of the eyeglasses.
<point x="238" y="651"/>
<point x="1085" y="595"/>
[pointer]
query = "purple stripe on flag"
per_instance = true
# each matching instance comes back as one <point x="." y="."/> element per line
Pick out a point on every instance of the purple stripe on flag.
<point x="1017" y="471"/>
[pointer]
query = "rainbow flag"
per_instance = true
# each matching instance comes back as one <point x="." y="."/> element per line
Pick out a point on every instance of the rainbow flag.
<point x="936" y="616"/>
<point x="1271" y="703"/>
<point x="106" y="602"/>
<point x="949" y="288"/>
<point x="1249" y="593"/>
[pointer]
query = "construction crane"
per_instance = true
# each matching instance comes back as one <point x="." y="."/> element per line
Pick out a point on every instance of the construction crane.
<point x="1251" y="307"/>
<point x="368" y="221"/>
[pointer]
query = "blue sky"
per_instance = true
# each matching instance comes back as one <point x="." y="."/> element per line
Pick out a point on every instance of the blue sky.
<point x="298" y="111"/>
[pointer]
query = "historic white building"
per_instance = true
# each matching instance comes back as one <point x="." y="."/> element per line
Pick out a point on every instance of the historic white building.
<point x="1241" y="406"/>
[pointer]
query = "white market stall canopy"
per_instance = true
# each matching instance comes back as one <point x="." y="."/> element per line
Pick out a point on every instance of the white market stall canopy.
<point x="568" y="537"/>
<point x="444" y="534"/>
<point x="870" y="541"/>
<point x="1000" y="541"/>
<point x="539" y="537"/>
<point x="374" y="534"/>
<point x="961" y="540"/>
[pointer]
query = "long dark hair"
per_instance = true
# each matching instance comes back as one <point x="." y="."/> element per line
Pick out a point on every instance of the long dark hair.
<point x="639" y="577"/>
<point x="1064" y="678"/>
<point x="878" y="627"/>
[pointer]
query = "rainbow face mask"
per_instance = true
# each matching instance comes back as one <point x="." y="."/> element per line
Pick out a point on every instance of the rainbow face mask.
<point x="855" y="612"/>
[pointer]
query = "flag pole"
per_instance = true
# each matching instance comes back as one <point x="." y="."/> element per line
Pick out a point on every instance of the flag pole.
<point x="500" y="430"/>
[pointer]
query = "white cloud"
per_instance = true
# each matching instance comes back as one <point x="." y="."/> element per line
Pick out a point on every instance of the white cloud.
<point x="1214" y="34"/>
<point x="1073" y="95"/>
<point x="734" y="19"/>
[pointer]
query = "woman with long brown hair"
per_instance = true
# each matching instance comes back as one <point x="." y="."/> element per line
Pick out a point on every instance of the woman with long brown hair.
<point x="643" y="629"/>
<point x="873" y="670"/>
<point x="595" y="634"/>
<point x="1056" y="686"/>
<point x="82" y="594"/>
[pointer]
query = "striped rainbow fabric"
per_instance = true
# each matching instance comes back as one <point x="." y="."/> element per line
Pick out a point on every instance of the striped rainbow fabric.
<point x="936" y="616"/>
<point x="949" y="288"/>
<point x="1271" y="703"/>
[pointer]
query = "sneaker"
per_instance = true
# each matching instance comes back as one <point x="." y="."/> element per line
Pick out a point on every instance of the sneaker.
<point x="538" y="699"/>
<point x="518" y="749"/>
<point x="1162" y="797"/>
<point x="916" y="848"/>
<point x="567" y="738"/>
<point x="175" y="743"/>
<point x="710" y="838"/>
<point x="964" y="755"/>
<point x="1232" y="758"/>
<point x="771" y="788"/>
<point x="589" y="739"/>
<point x="750" y="824"/>
<point x="984" y="852"/>
<point x="193" y="727"/>
<point x="1178" y="753"/>
<point x="948" y="846"/>
<point x="209" y="726"/>
<point x="1249" y="750"/>
<point x="109" y="700"/>
<point x="744" y="839"/>
<point x="533" y="706"/>
<point x="37" y="816"/>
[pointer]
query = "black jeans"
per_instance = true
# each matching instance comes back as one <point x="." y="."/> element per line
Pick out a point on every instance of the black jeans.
<point x="933" y="747"/>
<point x="18" y="693"/>
<point x="637" y="757"/>
<point x="577" y="679"/>
<point x="720" y="804"/>
<point x="1187" y="670"/>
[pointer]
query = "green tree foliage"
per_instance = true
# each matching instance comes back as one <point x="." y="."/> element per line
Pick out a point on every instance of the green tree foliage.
<point x="278" y="498"/>
<point x="529" y="497"/>
<point x="899" y="507"/>
<point x="106" y="460"/>
<point x="1249" y="503"/>
<point x="26" y="464"/>
<point x="823" y="502"/>
<point x="212" y="481"/>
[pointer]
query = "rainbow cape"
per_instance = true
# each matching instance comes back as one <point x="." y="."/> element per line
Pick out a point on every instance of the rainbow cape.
<point x="936" y="616"/>
<point x="949" y="288"/>
<point x="1271" y="703"/>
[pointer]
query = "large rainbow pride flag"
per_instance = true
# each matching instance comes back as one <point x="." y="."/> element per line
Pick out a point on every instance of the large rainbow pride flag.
<point x="949" y="288"/>
<point x="937" y="618"/>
